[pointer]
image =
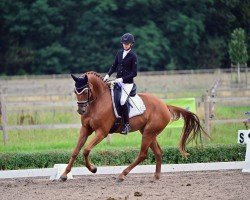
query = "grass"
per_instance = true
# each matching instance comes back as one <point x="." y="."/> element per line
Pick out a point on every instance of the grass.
<point x="43" y="117"/>
<point x="231" y="112"/>
<point x="29" y="141"/>
<point x="65" y="139"/>
<point x="225" y="133"/>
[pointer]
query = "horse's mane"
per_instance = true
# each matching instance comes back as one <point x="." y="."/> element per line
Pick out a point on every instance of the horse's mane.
<point x="95" y="74"/>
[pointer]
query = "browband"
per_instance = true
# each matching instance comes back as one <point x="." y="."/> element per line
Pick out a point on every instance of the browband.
<point x="81" y="91"/>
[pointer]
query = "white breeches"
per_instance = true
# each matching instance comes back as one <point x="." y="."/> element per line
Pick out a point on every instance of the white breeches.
<point x="126" y="89"/>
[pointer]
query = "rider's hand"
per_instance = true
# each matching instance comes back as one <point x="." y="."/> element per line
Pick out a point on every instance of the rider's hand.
<point x="106" y="78"/>
<point x="118" y="80"/>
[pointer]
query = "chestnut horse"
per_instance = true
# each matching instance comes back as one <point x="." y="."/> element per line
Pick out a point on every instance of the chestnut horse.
<point x="96" y="109"/>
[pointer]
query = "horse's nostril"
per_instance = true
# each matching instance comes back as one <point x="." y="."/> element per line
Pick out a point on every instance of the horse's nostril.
<point x="79" y="111"/>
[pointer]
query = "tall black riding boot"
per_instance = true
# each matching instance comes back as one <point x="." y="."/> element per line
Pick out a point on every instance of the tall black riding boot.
<point x="125" y="115"/>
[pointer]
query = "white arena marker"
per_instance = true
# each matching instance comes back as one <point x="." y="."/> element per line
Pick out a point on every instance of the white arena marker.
<point x="244" y="138"/>
<point x="60" y="168"/>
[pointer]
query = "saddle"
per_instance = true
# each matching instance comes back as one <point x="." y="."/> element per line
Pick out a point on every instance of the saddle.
<point x="117" y="96"/>
<point x="134" y="103"/>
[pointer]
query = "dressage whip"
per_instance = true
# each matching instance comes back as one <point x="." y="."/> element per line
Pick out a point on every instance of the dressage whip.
<point x="130" y="98"/>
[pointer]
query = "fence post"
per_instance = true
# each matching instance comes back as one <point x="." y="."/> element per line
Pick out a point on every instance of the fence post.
<point x="209" y="105"/>
<point x="207" y="112"/>
<point x="3" y="118"/>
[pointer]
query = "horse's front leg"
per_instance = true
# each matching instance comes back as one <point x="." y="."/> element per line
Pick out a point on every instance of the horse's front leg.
<point x="99" y="136"/>
<point x="84" y="133"/>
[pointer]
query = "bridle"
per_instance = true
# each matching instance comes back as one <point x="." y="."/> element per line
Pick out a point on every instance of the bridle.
<point x="84" y="103"/>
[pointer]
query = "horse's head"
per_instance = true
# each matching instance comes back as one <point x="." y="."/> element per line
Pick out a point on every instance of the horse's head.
<point x="83" y="92"/>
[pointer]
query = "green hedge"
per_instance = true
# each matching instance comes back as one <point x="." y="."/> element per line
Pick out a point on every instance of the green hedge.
<point x="122" y="157"/>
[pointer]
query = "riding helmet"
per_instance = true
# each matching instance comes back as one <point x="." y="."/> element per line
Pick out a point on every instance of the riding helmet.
<point x="127" y="38"/>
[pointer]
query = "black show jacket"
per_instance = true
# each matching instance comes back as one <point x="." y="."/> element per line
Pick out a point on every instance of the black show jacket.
<point x="126" y="68"/>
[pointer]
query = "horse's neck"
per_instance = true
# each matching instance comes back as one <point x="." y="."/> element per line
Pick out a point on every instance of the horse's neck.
<point x="98" y="84"/>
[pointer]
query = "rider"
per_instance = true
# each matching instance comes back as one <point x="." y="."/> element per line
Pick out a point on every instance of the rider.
<point x="125" y="64"/>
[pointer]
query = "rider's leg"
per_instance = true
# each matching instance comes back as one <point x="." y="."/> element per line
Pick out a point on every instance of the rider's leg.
<point x="125" y="116"/>
<point x="126" y="89"/>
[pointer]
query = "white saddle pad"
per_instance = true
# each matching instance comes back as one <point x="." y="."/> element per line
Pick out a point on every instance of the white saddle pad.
<point x="137" y="106"/>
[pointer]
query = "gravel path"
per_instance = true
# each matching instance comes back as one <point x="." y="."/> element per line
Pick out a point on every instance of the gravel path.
<point x="230" y="184"/>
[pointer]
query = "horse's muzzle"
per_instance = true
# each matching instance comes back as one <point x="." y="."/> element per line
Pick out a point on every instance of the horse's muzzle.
<point x="81" y="110"/>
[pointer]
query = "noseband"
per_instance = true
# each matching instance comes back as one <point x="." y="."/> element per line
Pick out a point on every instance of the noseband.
<point x="84" y="103"/>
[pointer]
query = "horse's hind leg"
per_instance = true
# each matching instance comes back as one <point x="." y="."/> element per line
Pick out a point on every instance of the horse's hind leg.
<point x="158" y="156"/>
<point x="147" y="139"/>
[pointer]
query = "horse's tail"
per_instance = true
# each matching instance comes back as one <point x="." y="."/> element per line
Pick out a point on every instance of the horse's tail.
<point x="192" y="128"/>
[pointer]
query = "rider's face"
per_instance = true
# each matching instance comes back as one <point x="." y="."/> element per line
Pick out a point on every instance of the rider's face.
<point x="126" y="46"/>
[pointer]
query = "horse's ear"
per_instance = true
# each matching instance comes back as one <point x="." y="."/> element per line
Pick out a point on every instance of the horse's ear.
<point x="74" y="77"/>
<point x="86" y="78"/>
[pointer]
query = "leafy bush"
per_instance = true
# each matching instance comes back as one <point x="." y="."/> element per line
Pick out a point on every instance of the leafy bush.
<point x="122" y="157"/>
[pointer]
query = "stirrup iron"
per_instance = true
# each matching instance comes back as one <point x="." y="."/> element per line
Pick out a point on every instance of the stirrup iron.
<point x="126" y="129"/>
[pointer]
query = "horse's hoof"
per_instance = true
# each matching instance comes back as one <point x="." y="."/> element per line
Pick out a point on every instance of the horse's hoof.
<point x="93" y="169"/>
<point x="121" y="178"/>
<point x="156" y="177"/>
<point x="63" y="178"/>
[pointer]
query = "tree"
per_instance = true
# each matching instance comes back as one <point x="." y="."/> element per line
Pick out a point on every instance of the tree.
<point x="211" y="52"/>
<point x="51" y="36"/>
<point x="151" y="47"/>
<point x="238" y="49"/>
